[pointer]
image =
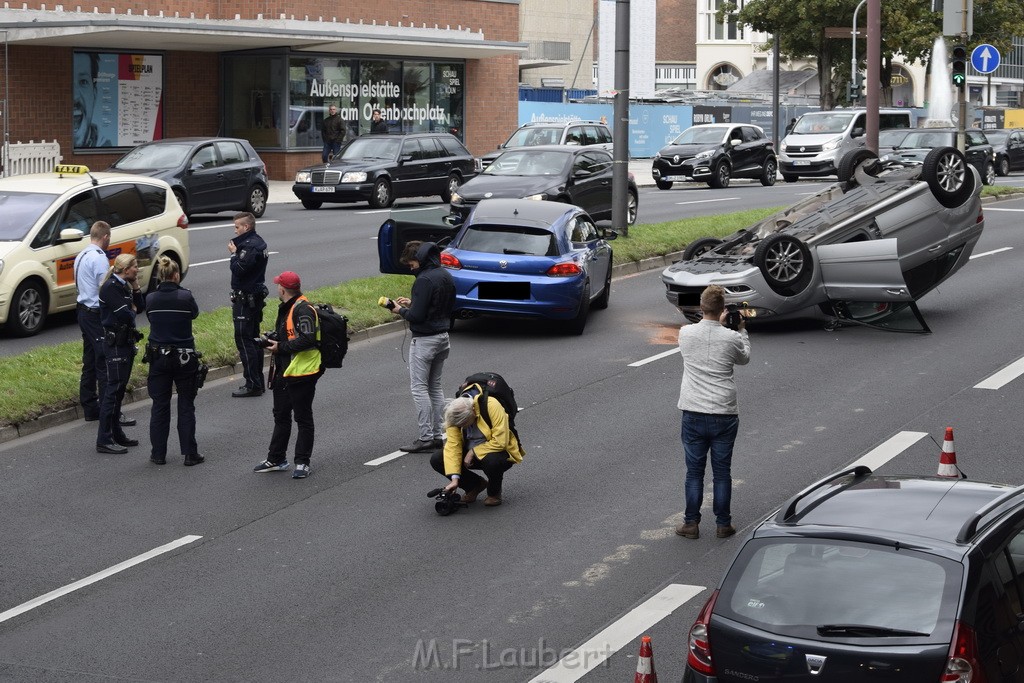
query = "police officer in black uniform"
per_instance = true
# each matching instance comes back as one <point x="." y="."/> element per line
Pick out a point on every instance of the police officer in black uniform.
<point x="120" y="299"/>
<point x="172" y="360"/>
<point x="248" y="294"/>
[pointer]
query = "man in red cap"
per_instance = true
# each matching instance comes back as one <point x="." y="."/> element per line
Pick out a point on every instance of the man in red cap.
<point x="295" y="368"/>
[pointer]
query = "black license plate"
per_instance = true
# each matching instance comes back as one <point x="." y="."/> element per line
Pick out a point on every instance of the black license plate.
<point x="504" y="290"/>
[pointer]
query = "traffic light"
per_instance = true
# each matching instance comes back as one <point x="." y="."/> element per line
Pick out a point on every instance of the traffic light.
<point x="854" y="89"/>
<point x="852" y="92"/>
<point x="958" y="69"/>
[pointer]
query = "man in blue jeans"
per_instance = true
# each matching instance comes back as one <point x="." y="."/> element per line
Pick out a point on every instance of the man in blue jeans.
<point x="707" y="398"/>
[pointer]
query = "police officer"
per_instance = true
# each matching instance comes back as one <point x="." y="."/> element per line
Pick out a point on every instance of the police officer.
<point x="120" y="299"/>
<point x="248" y="294"/>
<point x="172" y="360"/>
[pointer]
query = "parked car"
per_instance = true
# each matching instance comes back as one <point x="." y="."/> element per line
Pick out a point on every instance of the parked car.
<point x="886" y="237"/>
<point x="45" y="222"/>
<point x="207" y="175"/>
<point x="1008" y="145"/>
<point x="920" y="141"/>
<point x="863" y="577"/>
<point x="821" y="139"/>
<point x="888" y="139"/>
<point x="715" y="153"/>
<point x="581" y="133"/>
<point x="513" y="258"/>
<point x="573" y="175"/>
<point x="379" y="168"/>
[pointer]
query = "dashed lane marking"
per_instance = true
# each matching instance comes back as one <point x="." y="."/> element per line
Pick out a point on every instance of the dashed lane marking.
<point x="888" y="450"/>
<point x="221" y="226"/>
<point x="1003" y="377"/>
<point x="989" y="253"/>
<point x="651" y="359"/>
<point x="705" y="201"/>
<point x="385" y="458"/>
<point x="220" y="260"/>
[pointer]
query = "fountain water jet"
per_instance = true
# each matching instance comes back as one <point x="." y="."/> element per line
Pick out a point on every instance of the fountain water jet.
<point x="940" y="89"/>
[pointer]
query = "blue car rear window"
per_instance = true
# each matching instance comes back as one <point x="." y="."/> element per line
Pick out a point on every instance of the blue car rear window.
<point x="505" y="239"/>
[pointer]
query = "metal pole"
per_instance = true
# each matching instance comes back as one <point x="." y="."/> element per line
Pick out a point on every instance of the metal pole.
<point x="961" y="92"/>
<point x="874" y="75"/>
<point x="620" y="135"/>
<point x="775" y="90"/>
<point x="6" y="109"/>
<point x="853" y="59"/>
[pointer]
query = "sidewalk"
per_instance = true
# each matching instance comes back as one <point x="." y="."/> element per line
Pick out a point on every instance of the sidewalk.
<point x="281" y="190"/>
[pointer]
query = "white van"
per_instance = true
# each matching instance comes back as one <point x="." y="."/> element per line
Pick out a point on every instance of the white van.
<point x="820" y="139"/>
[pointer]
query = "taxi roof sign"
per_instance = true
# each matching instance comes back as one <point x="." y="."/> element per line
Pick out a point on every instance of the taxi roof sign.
<point x="71" y="169"/>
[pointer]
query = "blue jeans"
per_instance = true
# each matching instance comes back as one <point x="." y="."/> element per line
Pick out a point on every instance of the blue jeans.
<point x="703" y="432"/>
<point x="331" y="150"/>
<point x="426" y="361"/>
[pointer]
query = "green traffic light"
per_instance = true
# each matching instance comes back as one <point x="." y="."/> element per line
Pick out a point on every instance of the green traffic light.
<point x="959" y="79"/>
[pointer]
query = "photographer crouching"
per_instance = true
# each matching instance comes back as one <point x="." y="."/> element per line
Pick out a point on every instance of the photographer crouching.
<point x="473" y="445"/>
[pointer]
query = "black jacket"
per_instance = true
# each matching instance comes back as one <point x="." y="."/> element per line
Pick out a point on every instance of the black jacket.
<point x="118" y="304"/>
<point x="171" y="309"/>
<point x="378" y="126"/>
<point x="249" y="263"/>
<point x="433" y="295"/>
<point x="333" y="129"/>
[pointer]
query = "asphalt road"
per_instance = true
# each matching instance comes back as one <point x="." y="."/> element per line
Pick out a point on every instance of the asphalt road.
<point x="350" y="576"/>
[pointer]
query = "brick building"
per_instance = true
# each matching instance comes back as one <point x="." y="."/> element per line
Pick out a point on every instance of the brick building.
<point x="100" y="80"/>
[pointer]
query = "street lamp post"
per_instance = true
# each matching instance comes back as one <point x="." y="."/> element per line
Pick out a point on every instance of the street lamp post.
<point x="853" y="60"/>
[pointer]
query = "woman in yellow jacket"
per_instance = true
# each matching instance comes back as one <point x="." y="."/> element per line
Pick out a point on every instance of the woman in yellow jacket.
<point x="472" y="444"/>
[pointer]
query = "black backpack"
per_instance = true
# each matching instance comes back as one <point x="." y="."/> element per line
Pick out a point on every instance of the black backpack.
<point x="492" y="384"/>
<point x="333" y="336"/>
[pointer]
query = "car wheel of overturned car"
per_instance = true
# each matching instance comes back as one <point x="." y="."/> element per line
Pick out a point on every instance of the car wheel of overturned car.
<point x="311" y="204"/>
<point x="1003" y="166"/>
<point x="381" y="197"/>
<point x="851" y="160"/>
<point x="577" y="324"/>
<point x="700" y="246"/>
<point x="632" y="204"/>
<point x="28" y="309"/>
<point x="945" y="170"/>
<point x="720" y="176"/>
<point x="257" y="204"/>
<point x="451" y="187"/>
<point x="785" y="262"/>
<point x="770" y="172"/>
<point x="989" y="176"/>
<point x="601" y="302"/>
<point x="790" y="178"/>
<point x="663" y="184"/>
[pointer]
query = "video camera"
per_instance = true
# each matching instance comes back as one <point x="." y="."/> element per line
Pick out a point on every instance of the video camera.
<point x="446" y="502"/>
<point x="263" y="341"/>
<point x="734" y="314"/>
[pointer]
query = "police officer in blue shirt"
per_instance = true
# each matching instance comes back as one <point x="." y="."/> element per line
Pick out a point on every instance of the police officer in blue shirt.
<point x="120" y="299"/>
<point x="173" y="360"/>
<point x="90" y="267"/>
<point x="248" y="294"/>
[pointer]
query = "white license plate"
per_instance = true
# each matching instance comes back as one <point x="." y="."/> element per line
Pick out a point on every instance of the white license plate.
<point x="671" y="178"/>
<point x="323" y="189"/>
<point x="801" y="163"/>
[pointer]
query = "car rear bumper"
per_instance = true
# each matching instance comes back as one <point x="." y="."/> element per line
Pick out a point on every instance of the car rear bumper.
<point x="527" y="296"/>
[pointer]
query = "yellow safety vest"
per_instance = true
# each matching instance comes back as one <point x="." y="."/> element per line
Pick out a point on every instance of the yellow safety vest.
<point x="304" y="362"/>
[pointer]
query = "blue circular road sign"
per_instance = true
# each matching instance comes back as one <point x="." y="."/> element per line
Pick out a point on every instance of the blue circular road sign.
<point x="985" y="58"/>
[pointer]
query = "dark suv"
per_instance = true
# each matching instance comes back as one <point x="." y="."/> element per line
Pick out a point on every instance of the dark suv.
<point x="919" y="141"/>
<point x="379" y="168"/>
<point x="581" y="133"/>
<point x="714" y="153"/>
<point x="863" y="577"/>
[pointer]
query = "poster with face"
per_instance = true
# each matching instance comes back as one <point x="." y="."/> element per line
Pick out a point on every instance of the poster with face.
<point x="117" y="99"/>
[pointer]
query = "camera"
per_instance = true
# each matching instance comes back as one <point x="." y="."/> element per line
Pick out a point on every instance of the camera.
<point x="446" y="502"/>
<point x="735" y="313"/>
<point x="263" y="341"/>
<point x="386" y="303"/>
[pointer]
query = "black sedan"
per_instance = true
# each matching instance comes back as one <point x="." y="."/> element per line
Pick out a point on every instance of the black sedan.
<point x="207" y="175"/>
<point x="573" y="175"/>
<point x="714" y="154"/>
<point x="920" y="141"/>
<point x="1008" y="144"/>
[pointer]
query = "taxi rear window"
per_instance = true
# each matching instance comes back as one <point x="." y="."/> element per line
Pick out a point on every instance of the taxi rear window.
<point x="19" y="211"/>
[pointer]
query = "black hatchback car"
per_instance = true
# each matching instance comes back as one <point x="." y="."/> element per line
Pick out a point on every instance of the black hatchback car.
<point x="1008" y="144"/>
<point x="864" y="577"/>
<point x="715" y="153"/>
<point x="920" y="141"/>
<point x="379" y="168"/>
<point x="207" y="175"/>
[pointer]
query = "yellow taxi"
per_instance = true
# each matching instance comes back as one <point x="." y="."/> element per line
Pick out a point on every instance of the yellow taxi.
<point x="44" y="223"/>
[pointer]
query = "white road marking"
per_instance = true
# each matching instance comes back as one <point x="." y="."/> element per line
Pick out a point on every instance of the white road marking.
<point x="1004" y="376"/>
<point x="385" y="458"/>
<point x="595" y="651"/>
<point x="422" y="208"/>
<point x="98" y="576"/>
<point x="989" y="253"/>
<point x="226" y="225"/>
<point x="651" y="359"/>
<point x="885" y="452"/>
<point x="1008" y="210"/>
<point x="220" y="260"/>
<point x="705" y="201"/>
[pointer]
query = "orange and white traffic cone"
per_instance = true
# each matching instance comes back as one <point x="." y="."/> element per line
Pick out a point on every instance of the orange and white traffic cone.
<point x="645" y="664"/>
<point x="947" y="460"/>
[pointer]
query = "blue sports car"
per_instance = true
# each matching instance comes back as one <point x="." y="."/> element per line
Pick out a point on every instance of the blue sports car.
<point x="513" y="258"/>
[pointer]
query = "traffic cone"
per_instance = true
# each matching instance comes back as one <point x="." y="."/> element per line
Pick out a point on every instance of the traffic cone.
<point x="645" y="664"/>
<point x="947" y="460"/>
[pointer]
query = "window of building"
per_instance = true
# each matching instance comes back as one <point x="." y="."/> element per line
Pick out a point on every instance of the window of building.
<point x="728" y="29"/>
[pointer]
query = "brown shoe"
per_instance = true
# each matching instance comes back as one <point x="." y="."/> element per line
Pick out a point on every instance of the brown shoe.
<point x="492" y="501"/>
<point x="471" y="494"/>
<point x="688" y="530"/>
<point x="725" y="531"/>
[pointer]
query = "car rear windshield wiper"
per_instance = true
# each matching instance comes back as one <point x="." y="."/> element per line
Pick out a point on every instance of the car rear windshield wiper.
<point x="863" y="631"/>
<point x="514" y="251"/>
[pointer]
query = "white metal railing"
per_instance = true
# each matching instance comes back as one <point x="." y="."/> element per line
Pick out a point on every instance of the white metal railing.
<point x="18" y="158"/>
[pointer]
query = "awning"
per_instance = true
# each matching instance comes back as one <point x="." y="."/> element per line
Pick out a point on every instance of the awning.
<point x="202" y="34"/>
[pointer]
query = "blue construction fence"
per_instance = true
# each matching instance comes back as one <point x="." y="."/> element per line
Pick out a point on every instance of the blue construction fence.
<point x="530" y="94"/>
<point x="652" y="126"/>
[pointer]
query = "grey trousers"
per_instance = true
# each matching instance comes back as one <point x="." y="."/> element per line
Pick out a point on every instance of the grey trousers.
<point x="426" y="360"/>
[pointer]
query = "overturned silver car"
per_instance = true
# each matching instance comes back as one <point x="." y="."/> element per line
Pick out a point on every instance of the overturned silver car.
<point x="858" y="251"/>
